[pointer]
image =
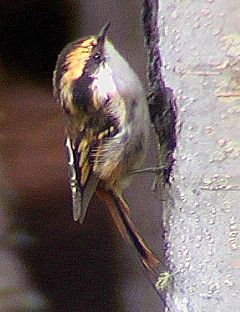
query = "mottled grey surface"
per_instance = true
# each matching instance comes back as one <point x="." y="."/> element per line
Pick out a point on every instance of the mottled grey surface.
<point x="200" y="47"/>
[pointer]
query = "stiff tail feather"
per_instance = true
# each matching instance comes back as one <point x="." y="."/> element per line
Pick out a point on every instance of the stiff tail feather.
<point x="119" y="211"/>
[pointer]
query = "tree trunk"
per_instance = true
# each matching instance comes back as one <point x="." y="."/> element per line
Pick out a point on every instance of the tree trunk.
<point x="200" y="49"/>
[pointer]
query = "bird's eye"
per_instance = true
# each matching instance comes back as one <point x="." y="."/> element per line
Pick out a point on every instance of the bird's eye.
<point x="97" y="56"/>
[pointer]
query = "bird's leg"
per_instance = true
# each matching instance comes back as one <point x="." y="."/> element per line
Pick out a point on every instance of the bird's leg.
<point x="156" y="170"/>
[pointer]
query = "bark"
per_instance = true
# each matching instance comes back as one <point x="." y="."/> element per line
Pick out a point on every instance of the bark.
<point x="200" y="48"/>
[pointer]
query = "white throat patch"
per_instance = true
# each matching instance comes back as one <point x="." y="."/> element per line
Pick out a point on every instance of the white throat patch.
<point x="103" y="85"/>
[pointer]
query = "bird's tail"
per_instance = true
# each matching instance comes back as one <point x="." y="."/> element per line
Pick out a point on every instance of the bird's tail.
<point x="119" y="211"/>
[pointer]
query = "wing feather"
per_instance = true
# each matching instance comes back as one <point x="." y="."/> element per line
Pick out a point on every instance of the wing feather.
<point x="84" y="154"/>
<point x="82" y="180"/>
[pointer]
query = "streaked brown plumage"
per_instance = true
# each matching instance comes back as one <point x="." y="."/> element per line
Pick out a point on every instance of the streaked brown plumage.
<point x="107" y="129"/>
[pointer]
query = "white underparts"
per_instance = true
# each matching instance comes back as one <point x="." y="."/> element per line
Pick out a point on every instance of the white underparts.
<point x="103" y="84"/>
<point x="106" y="95"/>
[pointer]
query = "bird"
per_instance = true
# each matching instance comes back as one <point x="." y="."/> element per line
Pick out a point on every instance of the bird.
<point x="107" y="129"/>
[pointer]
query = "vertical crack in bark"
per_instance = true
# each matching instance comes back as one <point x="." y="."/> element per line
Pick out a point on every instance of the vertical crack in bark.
<point x="162" y="103"/>
<point x="163" y="112"/>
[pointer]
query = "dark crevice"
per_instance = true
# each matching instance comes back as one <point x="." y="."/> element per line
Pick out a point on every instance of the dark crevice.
<point x="162" y="109"/>
<point x="162" y="103"/>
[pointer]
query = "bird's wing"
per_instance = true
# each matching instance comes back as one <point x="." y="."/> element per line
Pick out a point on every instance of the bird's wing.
<point x="84" y="154"/>
<point x="82" y="180"/>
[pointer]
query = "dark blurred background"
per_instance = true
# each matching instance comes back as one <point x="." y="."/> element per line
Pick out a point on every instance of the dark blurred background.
<point x="71" y="267"/>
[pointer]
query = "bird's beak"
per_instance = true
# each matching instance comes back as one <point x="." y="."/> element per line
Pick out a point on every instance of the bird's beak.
<point x="102" y="35"/>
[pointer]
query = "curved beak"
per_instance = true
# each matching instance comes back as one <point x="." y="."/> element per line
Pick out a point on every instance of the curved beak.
<point x="102" y="35"/>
